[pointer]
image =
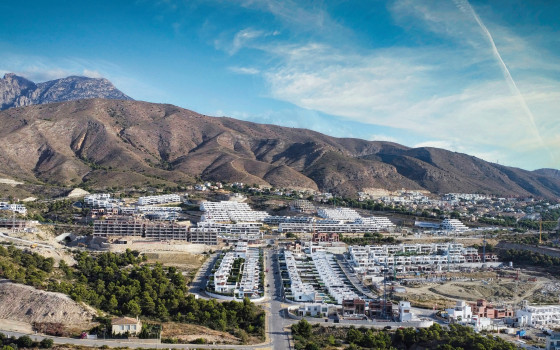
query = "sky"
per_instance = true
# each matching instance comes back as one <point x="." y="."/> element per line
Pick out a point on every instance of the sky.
<point x="476" y="77"/>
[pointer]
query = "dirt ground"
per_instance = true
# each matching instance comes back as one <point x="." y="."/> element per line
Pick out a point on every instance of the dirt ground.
<point x="42" y="241"/>
<point x="166" y="246"/>
<point x="183" y="261"/>
<point x="23" y="303"/>
<point x="487" y="285"/>
<point x="190" y="332"/>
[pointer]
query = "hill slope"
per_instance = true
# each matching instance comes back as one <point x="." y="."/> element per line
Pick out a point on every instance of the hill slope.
<point x="109" y="142"/>
<point x="16" y="91"/>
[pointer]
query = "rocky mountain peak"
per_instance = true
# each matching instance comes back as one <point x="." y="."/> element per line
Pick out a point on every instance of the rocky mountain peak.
<point x="17" y="91"/>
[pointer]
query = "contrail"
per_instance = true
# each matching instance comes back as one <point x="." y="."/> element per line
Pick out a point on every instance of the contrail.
<point x="466" y="7"/>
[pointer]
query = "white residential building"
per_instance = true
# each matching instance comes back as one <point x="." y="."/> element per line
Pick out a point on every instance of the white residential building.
<point x="405" y="313"/>
<point x="335" y="285"/>
<point x="221" y="275"/>
<point x="539" y="316"/>
<point x="228" y="211"/>
<point x="249" y="284"/>
<point x="453" y="225"/>
<point x="161" y="199"/>
<point x="462" y="312"/>
<point x="300" y="291"/>
<point x="344" y="214"/>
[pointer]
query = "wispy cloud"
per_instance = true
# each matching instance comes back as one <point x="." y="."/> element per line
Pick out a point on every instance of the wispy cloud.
<point x="452" y="94"/>
<point x="245" y="70"/>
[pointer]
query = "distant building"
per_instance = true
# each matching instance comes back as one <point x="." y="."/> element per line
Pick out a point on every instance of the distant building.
<point x="302" y="206"/>
<point x="16" y="208"/>
<point x="325" y="237"/>
<point x="153" y="230"/>
<point x="162" y="199"/>
<point x="453" y="225"/>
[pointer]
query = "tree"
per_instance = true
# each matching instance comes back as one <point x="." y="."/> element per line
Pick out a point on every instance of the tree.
<point x="46" y="343"/>
<point x="25" y="341"/>
<point x="133" y="308"/>
<point x="113" y="304"/>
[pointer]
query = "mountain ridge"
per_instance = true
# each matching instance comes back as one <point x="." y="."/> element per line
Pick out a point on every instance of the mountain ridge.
<point x="17" y="91"/>
<point x="100" y="143"/>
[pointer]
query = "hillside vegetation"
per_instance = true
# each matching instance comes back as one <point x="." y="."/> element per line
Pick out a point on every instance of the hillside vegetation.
<point x="124" y="284"/>
<point x="456" y="337"/>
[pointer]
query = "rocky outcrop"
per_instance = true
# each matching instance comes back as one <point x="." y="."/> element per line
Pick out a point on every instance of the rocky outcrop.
<point x="16" y="91"/>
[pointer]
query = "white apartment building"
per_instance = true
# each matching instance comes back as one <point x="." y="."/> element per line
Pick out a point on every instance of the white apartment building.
<point x="333" y="227"/>
<point x="335" y="285"/>
<point x="221" y="275"/>
<point x="161" y="199"/>
<point x="101" y="200"/>
<point x="149" y="209"/>
<point x="344" y="214"/>
<point x="228" y="211"/>
<point x="249" y="284"/>
<point x="382" y="222"/>
<point x="453" y="225"/>
<point x="303" y="292"/>
<point x="276" y="220"/>
<point x="539" y="316"/>
<point x="372" y="258"/>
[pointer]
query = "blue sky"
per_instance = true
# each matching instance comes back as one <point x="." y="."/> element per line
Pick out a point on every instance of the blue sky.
<point x="479" y="77"/>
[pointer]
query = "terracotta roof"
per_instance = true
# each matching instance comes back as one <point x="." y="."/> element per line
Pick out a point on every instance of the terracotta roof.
<point x="124" y="320"/>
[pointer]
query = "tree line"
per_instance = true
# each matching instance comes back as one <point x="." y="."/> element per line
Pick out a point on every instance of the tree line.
<point x="308" y="337"/>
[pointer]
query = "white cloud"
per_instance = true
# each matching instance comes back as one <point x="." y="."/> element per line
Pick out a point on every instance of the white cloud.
<point x="380" y="137"/>
<point x="92" y="74"/>
<point x="245" y="70"/>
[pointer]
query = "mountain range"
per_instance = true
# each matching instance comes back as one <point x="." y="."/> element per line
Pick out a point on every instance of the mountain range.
<point x="16" y="91"/>
<point x="100" y="143"/>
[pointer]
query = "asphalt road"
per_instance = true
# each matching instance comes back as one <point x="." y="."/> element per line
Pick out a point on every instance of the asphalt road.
<point x="132" y="344"/>
<point x="276" y="323"/>
<point x="198" y="285"/>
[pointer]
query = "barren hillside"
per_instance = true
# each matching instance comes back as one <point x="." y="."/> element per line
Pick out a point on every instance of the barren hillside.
<point x="101" y="143"/>
<point x="26" y="304"/>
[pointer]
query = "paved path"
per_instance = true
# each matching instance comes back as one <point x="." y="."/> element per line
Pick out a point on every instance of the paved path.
<point x="198" y="284"/>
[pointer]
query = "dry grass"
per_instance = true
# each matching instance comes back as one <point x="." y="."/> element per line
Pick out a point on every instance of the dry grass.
<point x="189" y="332"/>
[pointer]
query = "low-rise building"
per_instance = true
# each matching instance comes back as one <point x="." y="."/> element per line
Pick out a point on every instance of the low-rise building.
<point x="313" y="310"/>
<point x="462" y="312"/>
<point x="161" y="199"/>
<point x="539" y="316"/>
<point x="553" y="341"/>
<point x="124" y="325"/>
<point x="405" y="313"/>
